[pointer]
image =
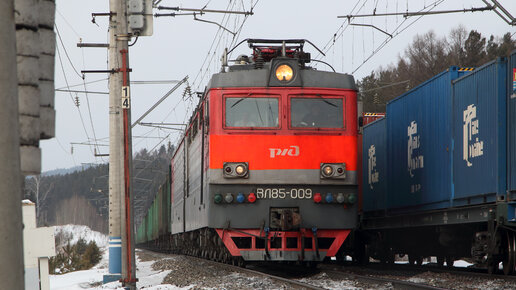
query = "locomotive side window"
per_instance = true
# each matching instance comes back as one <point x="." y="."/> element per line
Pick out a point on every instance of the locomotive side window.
<point x="316" y="113"/>
<point x="252" y="112"/>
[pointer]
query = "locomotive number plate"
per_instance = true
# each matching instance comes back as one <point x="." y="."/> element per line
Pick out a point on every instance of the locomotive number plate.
<point x="272" y="193"/>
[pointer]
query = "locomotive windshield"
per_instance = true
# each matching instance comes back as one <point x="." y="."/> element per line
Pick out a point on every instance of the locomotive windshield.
<point x="252" y="112"/>
<point x="316" y="112"/>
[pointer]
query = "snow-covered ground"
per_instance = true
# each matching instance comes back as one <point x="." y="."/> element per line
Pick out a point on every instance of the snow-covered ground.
<point x="80" y="231"/>
<point x="92" y="279"/>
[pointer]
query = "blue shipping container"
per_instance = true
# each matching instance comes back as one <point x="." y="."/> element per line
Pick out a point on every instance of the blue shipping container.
<point x="479" y="133"/>
<point x="374" y="164"/>
<point x="511" y="176"/>
<point x="420" y="145"/>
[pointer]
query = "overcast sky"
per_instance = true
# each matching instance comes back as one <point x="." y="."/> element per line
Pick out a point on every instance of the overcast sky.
<point x="182" y="47"/>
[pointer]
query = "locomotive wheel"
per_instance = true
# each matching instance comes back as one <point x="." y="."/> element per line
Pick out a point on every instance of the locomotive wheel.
<point x="449" y="261"/>
<point x="513" y="235"/>
<point x="419" y="260"/>
<point x="411" y="259"/>
<point x="240" y="262"/>
<point x="492" y="266"/>
<point x="391" y="257"/>
<point x="365" y="256"/>
<point x="440" y="261"/>
<point x="508" y="260"/>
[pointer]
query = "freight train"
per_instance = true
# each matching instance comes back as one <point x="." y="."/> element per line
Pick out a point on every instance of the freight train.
<point x="267" y="167"/>
<point x="439" y="171"/>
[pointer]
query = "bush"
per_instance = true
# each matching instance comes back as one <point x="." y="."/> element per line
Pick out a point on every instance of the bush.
<point x="80" y="256"/>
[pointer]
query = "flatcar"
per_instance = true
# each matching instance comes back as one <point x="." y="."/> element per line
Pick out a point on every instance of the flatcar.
<point x="439" y="171"/>
<point x="267" y="168"/>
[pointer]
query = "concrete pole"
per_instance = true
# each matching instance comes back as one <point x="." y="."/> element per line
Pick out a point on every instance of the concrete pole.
<point x="11" y="242"/>
<point x="115" y="143"/>
<point x="121" y="240"/>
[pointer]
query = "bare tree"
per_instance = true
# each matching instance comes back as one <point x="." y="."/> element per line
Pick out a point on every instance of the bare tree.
<point x="457" y="45"/>
<point x="33" y="185"/>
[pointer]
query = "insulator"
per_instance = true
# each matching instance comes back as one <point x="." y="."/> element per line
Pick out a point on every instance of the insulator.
<point x="187" y="91"/>
<point x="77" y="102"/>
<point x="259" y="61"/>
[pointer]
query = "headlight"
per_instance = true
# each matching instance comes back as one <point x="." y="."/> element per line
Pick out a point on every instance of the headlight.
<point x="327" y="170"/>
<point x="240" y="169"/>
<point x="235" y="170"/>
<point x="333" y="170"/>
<point x="284" y="73"/>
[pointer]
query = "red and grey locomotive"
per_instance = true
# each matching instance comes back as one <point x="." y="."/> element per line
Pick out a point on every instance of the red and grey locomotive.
<point x="267" y="169"/>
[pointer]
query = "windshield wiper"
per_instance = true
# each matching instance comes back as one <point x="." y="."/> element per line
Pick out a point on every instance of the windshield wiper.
<point x="327" y="102"/>
<point x="241" y="99"/>
<point x="236" y="103"/>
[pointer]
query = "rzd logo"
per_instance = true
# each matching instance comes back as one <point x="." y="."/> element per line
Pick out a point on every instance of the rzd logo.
<point x="471" y="146"/>
<point x="373" y="175"/>
<point x="292" y="151"/>
<point x="415" y="161"/>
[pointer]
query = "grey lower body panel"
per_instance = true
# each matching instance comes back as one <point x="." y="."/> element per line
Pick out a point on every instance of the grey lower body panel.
<point x="283" y="176"/>
<point x="258" y="214"/>
<point x="283" y="256"/>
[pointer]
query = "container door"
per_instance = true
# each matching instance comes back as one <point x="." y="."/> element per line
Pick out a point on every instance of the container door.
<point x="479" y="126"/>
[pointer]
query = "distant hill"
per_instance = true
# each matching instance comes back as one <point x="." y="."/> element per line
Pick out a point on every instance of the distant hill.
<point x="63" y="171"/>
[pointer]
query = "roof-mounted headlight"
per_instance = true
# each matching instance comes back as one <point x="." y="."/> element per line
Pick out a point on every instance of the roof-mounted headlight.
<point x="284" y="73"/>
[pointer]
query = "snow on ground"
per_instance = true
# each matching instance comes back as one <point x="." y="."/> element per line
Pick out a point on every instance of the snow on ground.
<point x="80" y="231"/>
<point x="322" y="280"/>
<point x="92" y="279"/>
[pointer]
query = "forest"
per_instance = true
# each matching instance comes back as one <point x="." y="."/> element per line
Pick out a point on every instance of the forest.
<point x="82" y="197"/>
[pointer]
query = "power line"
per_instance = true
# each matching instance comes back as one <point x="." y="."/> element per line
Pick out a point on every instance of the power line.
<point x="62" y="147"/>
<point x="386" y="86"/>
<point x="66" y="53"/>
<point x="82" y="92"/>
<point x="382" y="45"/>
<point x="71" y="27"/>
<point x="82" y="84"/>
<point x="418" y="13"/>
<point x="334" y="36"/>
<point x="66" y="81"/>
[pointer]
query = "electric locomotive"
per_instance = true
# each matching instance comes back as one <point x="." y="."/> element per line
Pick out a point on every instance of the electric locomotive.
<point x="267" y="169"/>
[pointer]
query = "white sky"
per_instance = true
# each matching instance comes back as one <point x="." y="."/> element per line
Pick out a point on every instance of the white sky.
<point x="180" y="45"/>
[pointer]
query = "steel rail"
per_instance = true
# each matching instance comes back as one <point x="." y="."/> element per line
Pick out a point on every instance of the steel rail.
<point x="254" y="272"/>
<point x="396" y="283"/>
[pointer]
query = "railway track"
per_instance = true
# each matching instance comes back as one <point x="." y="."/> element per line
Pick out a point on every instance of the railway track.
<point x="333" y="276"/>
<point x="472" y="272"/>
<point x="396" y="283"/>
<point x="284" y="275"/>
<point x="454" y="274"/>
<point x="292" y="274"/>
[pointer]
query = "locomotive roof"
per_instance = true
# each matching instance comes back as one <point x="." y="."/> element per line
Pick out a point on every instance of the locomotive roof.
<point x="248" y="76"/>
<point x="258" y="70"/>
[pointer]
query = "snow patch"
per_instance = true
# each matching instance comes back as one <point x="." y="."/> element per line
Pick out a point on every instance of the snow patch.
<point x="92" y="279"/>
<point x="79" y="231"/>
<point x="462" y="263"/>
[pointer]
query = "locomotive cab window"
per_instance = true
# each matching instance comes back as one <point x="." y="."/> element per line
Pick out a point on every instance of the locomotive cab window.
<point x="251" y="112"/>
<point x="317" y="112"/>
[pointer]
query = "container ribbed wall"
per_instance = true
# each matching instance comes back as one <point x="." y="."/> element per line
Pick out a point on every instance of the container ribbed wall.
<point x="479" y="133"/>
<point x="374" y="165"/>
<point x="419" y="145"/>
